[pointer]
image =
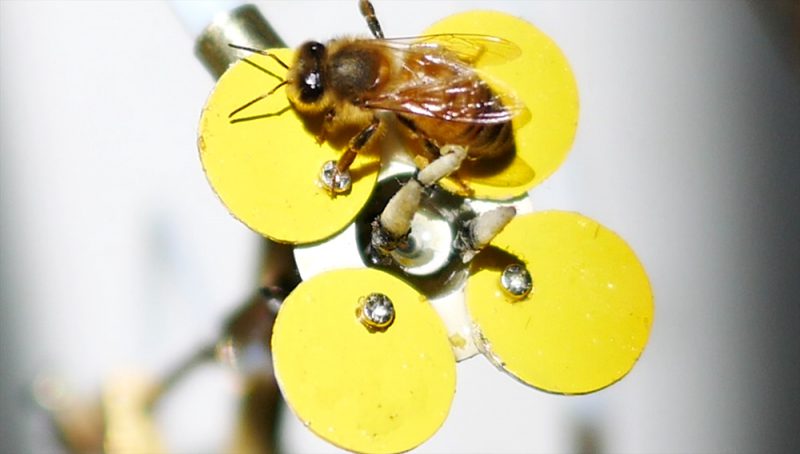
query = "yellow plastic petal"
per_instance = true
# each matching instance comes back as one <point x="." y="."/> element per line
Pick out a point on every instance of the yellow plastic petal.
<point x="588" y="317"/>
<point x="363" y="390"/>
<point x="542" y="79"/>
<point x="265" y="169"/>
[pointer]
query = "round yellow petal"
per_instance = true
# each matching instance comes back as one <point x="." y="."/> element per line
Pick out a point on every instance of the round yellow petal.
<point x="588" y="317"/>
<point x="542" y="79"/>
<point x="265" y="167"/>
<point x="363" y="390"/>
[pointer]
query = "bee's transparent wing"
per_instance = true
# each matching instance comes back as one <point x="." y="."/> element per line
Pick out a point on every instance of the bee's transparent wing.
<point x="451" y="99"/>
<point x="472" y="49"/>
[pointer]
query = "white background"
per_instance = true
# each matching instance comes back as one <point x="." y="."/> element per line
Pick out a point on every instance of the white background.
<point x="116" y="253"/>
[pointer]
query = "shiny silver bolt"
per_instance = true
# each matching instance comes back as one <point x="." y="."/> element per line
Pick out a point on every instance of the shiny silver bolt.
<point x="516" y="281"/>
<point x="376" y="312"/>
<point x="335" y="181"/>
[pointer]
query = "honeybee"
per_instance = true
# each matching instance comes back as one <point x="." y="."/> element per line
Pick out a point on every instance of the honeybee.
<point x="428" y="82"/>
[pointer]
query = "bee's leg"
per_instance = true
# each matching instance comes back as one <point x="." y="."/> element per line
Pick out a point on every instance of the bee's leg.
<point x="357" y="143"/>
<point x="422" y="162"/>
<point x="464" y="190"/>
<point x="430" y="150"/>
<point x="372" y="21"/>
<point x="337" y="178"/>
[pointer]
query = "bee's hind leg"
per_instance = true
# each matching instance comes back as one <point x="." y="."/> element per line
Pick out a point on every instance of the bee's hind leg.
<point x="430" y="151"/>
<point x="463" y="189"/>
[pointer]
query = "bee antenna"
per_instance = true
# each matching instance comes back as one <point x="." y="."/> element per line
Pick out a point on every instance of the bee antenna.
<point x="372" y="21"/>
<point x="260" y="52"/>
<point x="256" y="99"/>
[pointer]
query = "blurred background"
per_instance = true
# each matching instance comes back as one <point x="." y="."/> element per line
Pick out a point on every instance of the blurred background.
<point x="116" y="255"/>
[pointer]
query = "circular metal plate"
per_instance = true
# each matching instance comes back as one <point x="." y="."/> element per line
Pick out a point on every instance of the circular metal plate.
<point x="363" y="389"/>
<point x="588" y="316"/>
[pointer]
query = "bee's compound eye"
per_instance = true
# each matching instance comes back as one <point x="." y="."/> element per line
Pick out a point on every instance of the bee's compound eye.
<point x="312" y="87"/>
<point x="316" y="48"/>
<point x="312" y="55"/>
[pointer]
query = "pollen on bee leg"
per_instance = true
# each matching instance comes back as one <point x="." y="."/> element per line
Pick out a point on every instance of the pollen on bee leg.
<point x="482" y="230"/>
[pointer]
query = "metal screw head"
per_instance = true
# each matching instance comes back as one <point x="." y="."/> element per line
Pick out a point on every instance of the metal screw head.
<point x="335" y="181"/>
<point x="376" y="312"/>
<point x="516" y="281"/>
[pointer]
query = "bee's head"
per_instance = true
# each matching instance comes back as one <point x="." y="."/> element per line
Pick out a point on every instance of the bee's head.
<point x="306" y="89"/>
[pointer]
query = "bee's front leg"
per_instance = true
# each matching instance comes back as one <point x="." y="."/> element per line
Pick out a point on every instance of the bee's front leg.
<point x="356" y="144"/>
<point x="333" y="178"/>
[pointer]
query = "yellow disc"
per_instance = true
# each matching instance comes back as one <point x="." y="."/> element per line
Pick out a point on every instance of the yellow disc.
<point x="588" y="316"/>
<point x="542" y="79"/>
<point x="265" y="167"/>
<point x="362" y="389"/>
